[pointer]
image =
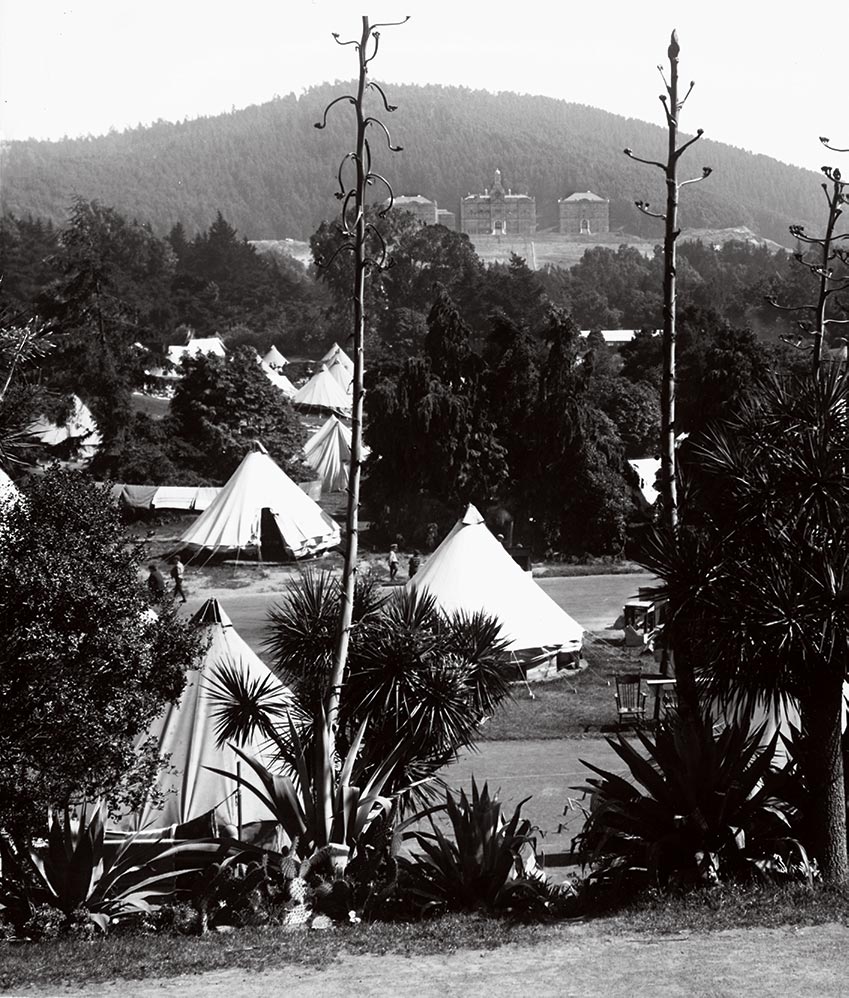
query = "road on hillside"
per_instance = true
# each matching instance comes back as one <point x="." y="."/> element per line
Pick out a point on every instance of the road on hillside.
<point x="595" y="601"/>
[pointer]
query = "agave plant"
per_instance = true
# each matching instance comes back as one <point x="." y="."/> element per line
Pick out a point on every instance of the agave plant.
<point x="696" y="807"/>
<point x="317" y="806"/>
<point x="78" y="870"/>
<point x="486" y="864"/>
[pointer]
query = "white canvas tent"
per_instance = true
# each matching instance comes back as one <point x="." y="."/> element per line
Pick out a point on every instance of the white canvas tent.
<point x="323" y="391"/>
<point x="647" y="469"/>
<point x="8" y="490"/>
<point x="337" y="353"/>
<point x="79" y="428"/>
<point x="274" y="358"/>
<point x="328" y="451"/>
<point x="471" y="571"/>
<point x="263" y="512"/>
<point x="342" y="375"/>
<point x="186" y="732"/>
<point x="279" y="380"/>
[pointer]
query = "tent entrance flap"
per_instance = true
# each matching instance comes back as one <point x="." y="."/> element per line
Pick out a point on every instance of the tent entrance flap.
<point x="271" y="544"/>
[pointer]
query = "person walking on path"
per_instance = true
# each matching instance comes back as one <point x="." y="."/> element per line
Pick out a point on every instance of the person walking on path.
<point x="393" y="561"/>
<point x="177" y="575"/>
<point x="415" y="562"/>
<point x="155" y="584"/>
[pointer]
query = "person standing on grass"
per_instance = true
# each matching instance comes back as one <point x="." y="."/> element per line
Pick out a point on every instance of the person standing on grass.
<point x="393" y="561"/>
<point x="177" y="576"/>
<point x="155" y="584"/>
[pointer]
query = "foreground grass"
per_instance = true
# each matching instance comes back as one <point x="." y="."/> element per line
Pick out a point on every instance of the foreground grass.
<point x="169" y="955"/>
<point x="731" y="906"/>
<point x="133" y="957"/>
<point x="571" y="704"/>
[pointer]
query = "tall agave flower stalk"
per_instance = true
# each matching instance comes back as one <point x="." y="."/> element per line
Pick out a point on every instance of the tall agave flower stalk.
<point x="365" y="243"/>
<point x="673" y="105"/>
<point x="828" y="256"/>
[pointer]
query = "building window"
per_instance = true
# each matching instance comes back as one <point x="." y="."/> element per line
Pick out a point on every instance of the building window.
<point x="498" y="227"/>
<point x="585" y="226"/>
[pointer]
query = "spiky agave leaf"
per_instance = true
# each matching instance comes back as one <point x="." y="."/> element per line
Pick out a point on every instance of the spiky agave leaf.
<point x="691" y="792"/>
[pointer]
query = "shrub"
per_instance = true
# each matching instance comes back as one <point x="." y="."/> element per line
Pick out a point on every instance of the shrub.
<point x="490" y="864"/>
<point x="697" y="807"/>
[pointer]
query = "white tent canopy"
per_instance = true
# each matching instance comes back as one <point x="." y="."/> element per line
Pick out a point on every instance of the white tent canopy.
<point x="80" y="428"/>
<point x="328" y="451"/>
<point x="274" y="358"/>
<point x="471" y="571"/>
<point x="647" y="469"/>
<point x="323" y="391"/>
<point x="337" y="353"/>
<point x="260" y="510"/>
<point x="342" y="375"/>
<point x="279" y="380"/>
<point x="8" y="490"/>
<point x="186" y="732"/>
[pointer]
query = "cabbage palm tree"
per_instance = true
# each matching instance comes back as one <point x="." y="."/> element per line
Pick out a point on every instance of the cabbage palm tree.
<point x="758" y="574"/>
<point x="419" y="680"/>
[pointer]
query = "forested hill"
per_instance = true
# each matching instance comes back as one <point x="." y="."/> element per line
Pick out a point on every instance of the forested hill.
<point x="272" y="174"/>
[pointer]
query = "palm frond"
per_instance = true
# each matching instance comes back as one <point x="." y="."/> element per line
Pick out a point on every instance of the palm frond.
<point x="245" y="705"/>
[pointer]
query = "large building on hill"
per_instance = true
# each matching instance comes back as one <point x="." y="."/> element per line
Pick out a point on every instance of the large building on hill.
<point x="423" y="208"/>
<point x="497" y="212"/>
<point x="584" y="214"/>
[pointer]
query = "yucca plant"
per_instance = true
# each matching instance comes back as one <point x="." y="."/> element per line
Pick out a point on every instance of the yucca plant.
<point x="78" y="870"/>
<point x="482" y="867"/>
<point x="696" y="807"/>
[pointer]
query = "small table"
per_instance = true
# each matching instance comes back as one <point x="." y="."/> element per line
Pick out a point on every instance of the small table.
<point x="659" y="685"/>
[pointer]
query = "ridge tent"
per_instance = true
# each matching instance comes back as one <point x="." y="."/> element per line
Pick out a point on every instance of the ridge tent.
<point x="328" y="451"/>
<point x="471" y="571"/>
<point x="79" y="428"/>
<point x="337" y="353"/>
<point x="261" y="510"/>
<point x="274" y="358"/>
<point x="279" y="380"/>
<point x="323" y="392"/>
<point x="186" y="732"/>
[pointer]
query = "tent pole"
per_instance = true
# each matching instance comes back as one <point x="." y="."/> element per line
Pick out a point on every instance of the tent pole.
<point x="239" y="799"/>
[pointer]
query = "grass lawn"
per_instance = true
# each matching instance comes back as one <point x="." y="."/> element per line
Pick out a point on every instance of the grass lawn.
<point x="573" y="703"/>
<point x="132" y="957"/>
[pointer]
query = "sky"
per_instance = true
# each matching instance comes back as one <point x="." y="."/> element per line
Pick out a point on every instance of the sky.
<point x="767" y="73"/>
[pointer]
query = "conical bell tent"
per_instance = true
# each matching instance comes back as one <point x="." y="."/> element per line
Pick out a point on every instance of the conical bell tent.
<point x="187" y="733"/>
<point x="323" y="393"/>
<point x="279" y="380"/>
<point x="261" y="512"/>
<point x="337" y="353"/>
<point x="470" y="571"/>
<point x="328" y="451"/>
<point x="274" y="358"/>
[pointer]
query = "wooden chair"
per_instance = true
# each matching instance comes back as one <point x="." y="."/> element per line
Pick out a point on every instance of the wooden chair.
<point x="630" y="699"/>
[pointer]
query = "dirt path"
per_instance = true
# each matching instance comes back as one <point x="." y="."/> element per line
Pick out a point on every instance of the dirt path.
<point x="802" y="963"/>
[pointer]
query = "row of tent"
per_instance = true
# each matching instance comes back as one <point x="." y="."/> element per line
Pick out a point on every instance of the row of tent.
<point x="329" y="389"/>
<point x="328" y="452"/>
<point x="469" y="572"/>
